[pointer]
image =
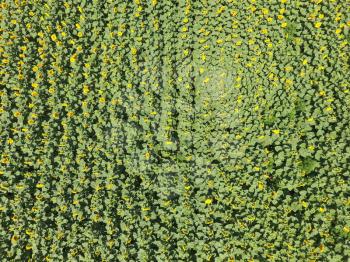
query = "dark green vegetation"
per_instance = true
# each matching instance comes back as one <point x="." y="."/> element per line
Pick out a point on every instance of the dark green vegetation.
<point x="175" y="130"/>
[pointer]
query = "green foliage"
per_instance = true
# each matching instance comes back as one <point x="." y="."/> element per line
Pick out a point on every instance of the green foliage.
<point x="308" y="165"/>
<point x="174" y="130"/>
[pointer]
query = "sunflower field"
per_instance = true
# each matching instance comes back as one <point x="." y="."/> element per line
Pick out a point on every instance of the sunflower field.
<point x="175" y="130"/>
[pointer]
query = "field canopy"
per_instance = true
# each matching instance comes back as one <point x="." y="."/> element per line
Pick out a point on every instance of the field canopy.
<point x="175" y="130"/>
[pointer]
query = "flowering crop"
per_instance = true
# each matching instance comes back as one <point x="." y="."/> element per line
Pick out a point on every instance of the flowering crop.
<point x="158" y="130"/>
